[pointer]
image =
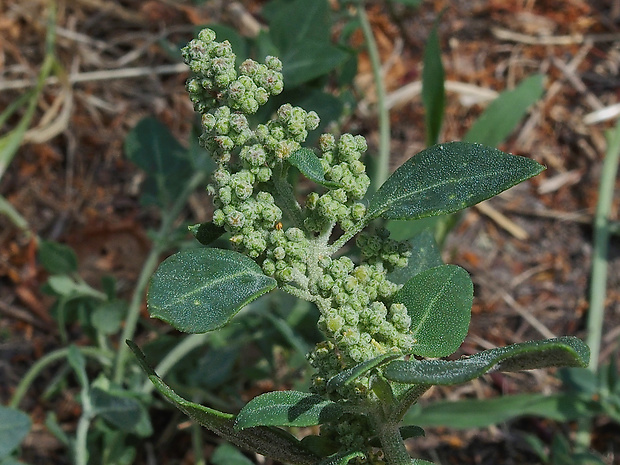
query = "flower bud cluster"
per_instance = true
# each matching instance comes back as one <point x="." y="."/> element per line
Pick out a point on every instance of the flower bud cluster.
<point x="283" y="136"/>
<point x="361" y="320"/>
<point x="216" y="82"/>
<point x="342" y="165"/>
<point x="379" y="248"/>
<point x="286" y="255"/>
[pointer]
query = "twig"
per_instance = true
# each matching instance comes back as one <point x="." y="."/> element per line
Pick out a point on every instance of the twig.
<point x="409" y="91"/>
<point x="602" y="114"/>
<point x="503" y="221"/>
<point x="506" y="34"/>
<point x="527" y="316"/>
<point x="577" y="83"/>
<point x="102" y="75"/>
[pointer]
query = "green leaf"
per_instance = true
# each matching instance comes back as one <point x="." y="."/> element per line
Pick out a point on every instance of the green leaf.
<point x="57" y="258"/>
<point x="425" y="254"/>
<point x="411" y="431"/>
<point x="206" y="233"/>
<point x="503" y="114"/>
<point x="78" y="363"/>
<point x="563" y="351"/>
<point x="342" y="458"/>
<point x="121" y="410"/>
<point x="310" y="166"/>
<point x="199" y="290"/>
<point x="152" y="147"/>
<point x="287" y="408"/>
<point x="310" y="60"/>
<point x="108" y="317"/>
<point x="270" y="442"/>
<point x="446" y="178"/>
<point x="227" y="454"/>
<point x="480" y="413"/>
<point x="300" y="22"/>
<point x="439" y="302"/>
<point x="14" y="427"/>
<point x="433" y="91"/>
<point x="421" y="462"/>
<point x="351" y="374"/>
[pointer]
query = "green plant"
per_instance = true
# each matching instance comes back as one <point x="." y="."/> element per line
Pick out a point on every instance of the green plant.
<point x="385" y="320"/>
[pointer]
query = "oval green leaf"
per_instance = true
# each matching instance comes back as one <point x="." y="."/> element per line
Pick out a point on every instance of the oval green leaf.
<point x="310" y="166"/>
<point x="287" y="408"/>
<point x="200" y="290"/>
<point x="563" y="351"/>
<point x="439" y="302"/>
<point x="446" y="178"/>
<point x="274" y="443"/>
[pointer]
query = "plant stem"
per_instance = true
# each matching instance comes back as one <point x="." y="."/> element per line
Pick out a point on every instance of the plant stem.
<point x="598" y="284"/>
<point x="152" y="260"/>
<point x="41" y="364"/>
<point x="394" y="450"/>
<point x="598" y="279"/>
<point x="383" y="165"/>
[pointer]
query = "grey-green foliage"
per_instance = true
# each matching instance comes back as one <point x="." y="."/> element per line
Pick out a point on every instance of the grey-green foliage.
<point x="376" y="309"/>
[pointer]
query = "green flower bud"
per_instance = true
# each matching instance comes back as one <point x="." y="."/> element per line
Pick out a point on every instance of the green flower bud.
<point x="295" y="234"/>
<point x="312" y="121"/>
<point x="273" y="63"/>
<point x="264" y="174"/>
<point x="358" y="211"/>
<point x="235" y="219"/>
<point x="219" y="218"/>
<point x="269" y="267"/>
<point x="206" y="35"/>
<point x="285" y="275"/>
<point x="279" y="253"/>
<point x="225" y="195"/>
<point x="327" y="142"/>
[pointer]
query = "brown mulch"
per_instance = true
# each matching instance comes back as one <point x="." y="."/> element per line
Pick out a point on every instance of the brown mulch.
<point x="71" y="181"/>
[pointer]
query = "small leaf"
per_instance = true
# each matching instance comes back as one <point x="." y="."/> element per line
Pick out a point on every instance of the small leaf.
<point x="563" y="351"/>
<point x="411" y="431"/>
<point x="439" y="302"/>
<point x="433" y="91"/>
<point x="57" y="258"/>
<point x="351" y="374"/>
<point x="120" y="409"/>
<point x="342" y="458"/>
<point x="78" y="363"/>
<point x="503" y="114"/>
<point x="107" y="318"/>
<point x="14" y="427"/>
<point x="310" y="166"/>
<point x="287" y="408"/>
<point x="270" y="442"/>
<point x="447" y="178"/>
<point x="199" y="290"/>
<point x="425" y="254"/>
<point x="206" y="233"/>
